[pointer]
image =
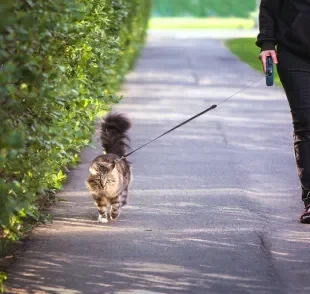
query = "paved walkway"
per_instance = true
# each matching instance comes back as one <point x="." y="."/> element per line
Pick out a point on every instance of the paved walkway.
<point x="215" y="34"/>
<point x="213" y="207"/>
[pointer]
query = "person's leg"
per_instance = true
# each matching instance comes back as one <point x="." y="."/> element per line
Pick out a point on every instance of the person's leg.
<point x="294" y="72"/>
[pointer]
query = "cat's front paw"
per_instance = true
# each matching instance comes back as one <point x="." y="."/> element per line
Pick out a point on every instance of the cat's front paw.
<point x="102" y="219"/>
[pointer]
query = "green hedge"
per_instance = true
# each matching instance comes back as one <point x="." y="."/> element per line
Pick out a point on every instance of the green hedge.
<point x="61" y="62"/>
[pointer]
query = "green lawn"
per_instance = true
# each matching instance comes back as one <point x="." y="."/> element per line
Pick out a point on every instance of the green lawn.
<point x="247" y="51"/>
<point x="199" y="23"/>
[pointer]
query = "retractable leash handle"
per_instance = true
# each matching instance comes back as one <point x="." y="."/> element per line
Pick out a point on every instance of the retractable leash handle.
<point x="269" y="71"/>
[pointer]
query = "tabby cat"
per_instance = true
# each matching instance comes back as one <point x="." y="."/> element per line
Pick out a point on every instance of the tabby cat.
<point x="109" y="177"/>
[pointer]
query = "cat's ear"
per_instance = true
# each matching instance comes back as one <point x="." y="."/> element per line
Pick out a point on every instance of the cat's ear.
<point x="98" y="167"/>
<point x="110" y="165"/>
<point x="107" y="165"/>
<point x="94" y="169"/>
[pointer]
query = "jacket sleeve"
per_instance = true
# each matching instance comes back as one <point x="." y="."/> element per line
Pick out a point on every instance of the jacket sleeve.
<point x="268" y="13"/>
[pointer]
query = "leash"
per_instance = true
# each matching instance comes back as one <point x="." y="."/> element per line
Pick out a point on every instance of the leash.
<point x="188" y="120"/>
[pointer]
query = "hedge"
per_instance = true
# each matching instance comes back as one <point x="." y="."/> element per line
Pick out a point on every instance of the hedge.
<point x="61" y="62"/>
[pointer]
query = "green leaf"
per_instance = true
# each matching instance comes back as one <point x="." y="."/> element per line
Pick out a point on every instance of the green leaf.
<point x="61" y="63"/>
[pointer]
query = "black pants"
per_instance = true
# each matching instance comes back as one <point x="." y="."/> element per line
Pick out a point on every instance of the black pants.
<point x="294" y="72"/>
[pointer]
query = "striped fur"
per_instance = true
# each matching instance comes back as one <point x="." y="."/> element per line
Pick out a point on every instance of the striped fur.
<point x="108" y="180"/>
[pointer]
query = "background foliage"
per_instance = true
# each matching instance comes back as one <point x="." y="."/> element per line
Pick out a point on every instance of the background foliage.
<point x="61" y="62"/>
<point x="203" y="8"/>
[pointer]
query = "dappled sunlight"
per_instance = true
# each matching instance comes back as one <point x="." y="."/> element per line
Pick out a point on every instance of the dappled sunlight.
<point x="108" y="276"/>
<point x="213" y="206"/>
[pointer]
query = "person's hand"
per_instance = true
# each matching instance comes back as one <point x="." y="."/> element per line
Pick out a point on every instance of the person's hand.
<point x="263" y="57"/>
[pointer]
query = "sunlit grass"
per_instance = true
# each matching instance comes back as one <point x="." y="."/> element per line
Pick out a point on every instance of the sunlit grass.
<point x="248" y="52"/>
<point x="200" y="23"/>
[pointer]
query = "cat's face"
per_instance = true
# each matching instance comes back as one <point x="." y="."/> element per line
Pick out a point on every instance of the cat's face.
<point x="102" y="175"/>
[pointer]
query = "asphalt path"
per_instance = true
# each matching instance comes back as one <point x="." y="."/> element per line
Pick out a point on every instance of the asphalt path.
<point x="213" y="207"/>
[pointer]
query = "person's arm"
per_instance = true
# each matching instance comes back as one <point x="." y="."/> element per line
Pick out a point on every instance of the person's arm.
<point x="266" y="39"/>
<point x="268" y="12"/>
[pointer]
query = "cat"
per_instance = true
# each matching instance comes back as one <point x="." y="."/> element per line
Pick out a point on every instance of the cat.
<point x="110" y="174"/>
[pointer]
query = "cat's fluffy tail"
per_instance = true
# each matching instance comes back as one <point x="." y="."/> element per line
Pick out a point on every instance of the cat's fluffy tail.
<point x="113" y="134"/>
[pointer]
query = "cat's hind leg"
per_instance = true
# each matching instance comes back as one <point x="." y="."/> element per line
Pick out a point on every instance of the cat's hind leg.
<point x="116" y="204"/>
<point x="124" y="196"/>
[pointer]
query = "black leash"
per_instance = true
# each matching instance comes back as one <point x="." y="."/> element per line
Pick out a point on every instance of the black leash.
<point x="187" y="121"/>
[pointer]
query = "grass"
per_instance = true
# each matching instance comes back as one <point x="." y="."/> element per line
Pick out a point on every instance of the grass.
<point x="248" y="52"/>
<point x="200" y="23"/>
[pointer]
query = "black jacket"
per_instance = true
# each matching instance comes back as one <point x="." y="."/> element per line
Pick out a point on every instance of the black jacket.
<point x="284" y="22"/>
